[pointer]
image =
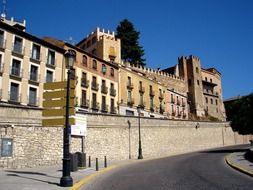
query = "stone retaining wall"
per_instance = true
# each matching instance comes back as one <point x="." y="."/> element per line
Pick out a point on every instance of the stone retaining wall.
<point x="109" y="136"/>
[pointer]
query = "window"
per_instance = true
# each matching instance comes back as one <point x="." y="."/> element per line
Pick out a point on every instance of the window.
<point x="178" y="111"/>
<point x="6" y="147"/>
<point x="14" y="92"/>
<point x="189" y="82"/>
<point x="197" y="70"/>
<point x="141" y="99"/>
<point x="94" y="52"/>
<point x="103" y="103"/>
<point x="35" y="52"/>
<point x="103" y="69"/>
<point x="206" y="100"/>
<point x="94" y="64"/>
<point x="93" y="41"/>
<point x="15" y="69"/>
<point x="129" y="96"/>
<point x="112" y="72"/>
<point x="34" y="73"/>
<point x="84" y="61"/>
<point x="198" y="82"/>
<point x="88" y="44"/>
<point x="216" y="102"/>
<point x="2" y="39"/>
<point x="1" y="64"/>
<point x="151" y="102"/>
<point x="51" y="57"/>
<point x="84" y="99"/>
<point x="94" y="80"/>
<point x="211" y="80"/>
<point x="49" y="76"/>
<point x="113" y="110"/>
<point x="205" y="78"/>
<point x="94" y="100"/>
<point x="211" y="101"/>
<point x="32" y="96"/>
<point x="18" y="45"/>
<point x="172" y="98"/>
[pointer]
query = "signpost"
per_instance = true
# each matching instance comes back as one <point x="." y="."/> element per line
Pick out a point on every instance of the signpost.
<point x="54" y="103"/>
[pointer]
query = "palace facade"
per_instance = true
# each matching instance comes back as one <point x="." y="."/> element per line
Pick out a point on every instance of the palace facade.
<point x="105" y="83"/>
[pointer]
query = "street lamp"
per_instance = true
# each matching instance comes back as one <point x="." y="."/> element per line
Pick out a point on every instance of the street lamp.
<point x="139" y="118"/>
<point x="66" y="179"/>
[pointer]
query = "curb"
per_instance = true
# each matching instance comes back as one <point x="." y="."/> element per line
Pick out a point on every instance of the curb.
<point x="237" y="167"/>
<point x="91" y="177"/>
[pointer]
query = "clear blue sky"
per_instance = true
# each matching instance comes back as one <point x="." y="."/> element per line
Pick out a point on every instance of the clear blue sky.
<point x="220" y="32"/>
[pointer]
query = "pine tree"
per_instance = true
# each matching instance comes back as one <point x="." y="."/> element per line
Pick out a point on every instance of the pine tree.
<point x="131" y="51"/>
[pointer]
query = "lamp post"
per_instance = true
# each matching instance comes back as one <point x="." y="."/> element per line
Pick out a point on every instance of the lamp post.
<point x="139" y="118"/>
<point x="66" y="179"/>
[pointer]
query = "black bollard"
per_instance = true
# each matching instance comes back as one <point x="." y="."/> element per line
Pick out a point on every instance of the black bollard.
<point x="105" y="162"/>
<point x="97" y="164"/>
<point x="89" y="162"/>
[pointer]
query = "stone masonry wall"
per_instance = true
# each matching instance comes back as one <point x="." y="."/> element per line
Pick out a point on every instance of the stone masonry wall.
<point x="109" y="136"/>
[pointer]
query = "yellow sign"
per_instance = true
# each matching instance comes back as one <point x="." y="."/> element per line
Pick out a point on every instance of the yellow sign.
<point x="57" y="112"/>
<point x="58" y="94"/>
<point x="58" y="121"/>
<point x="58" y="103"/>
<point x="59" y="85"/>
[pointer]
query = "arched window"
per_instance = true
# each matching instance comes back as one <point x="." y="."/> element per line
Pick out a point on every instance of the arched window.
<point x="112" y="72"/>
<point x="103" y="69"/>
<point x="84" y="61"/>
<point x="94" y="64"/>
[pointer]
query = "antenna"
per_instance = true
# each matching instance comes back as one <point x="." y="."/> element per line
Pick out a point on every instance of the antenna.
<point x="3" y="15"/>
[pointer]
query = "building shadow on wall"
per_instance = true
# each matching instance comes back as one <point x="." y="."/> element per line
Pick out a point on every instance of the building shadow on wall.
<point x="225" y="151"/>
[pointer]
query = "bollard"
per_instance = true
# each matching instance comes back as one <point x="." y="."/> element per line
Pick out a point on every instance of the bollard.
<point x="89" y="162"/>
<point x="97" y="164"/>
<point x="105" y="162"/>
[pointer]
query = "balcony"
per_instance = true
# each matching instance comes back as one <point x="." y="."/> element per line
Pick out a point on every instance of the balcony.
<point x="33" y="101"/>
<point x="141" y="89"/>
<point x="95" y="106"/>
<point x="16" y="73"/>
<point x="113" y="110"/>
<point x="85" y="103"/>
<point x="35" y="57"/>
<point x="2" y="44"/>
<point x="142" y="105"/>
<point x="14" y="98"/>
<point x="1" y="68"/>
<point x="161" y="96"/>
<point x="112" y="92"/>
<point x="130" y="86"/>
<point x="85" y="83"/>
<point x="151" y="92"/>
<point x="34" y="78"/>
<point x="130" y="102"/>
<point x="18" y="50"/>
<point x="104" y="89"/>
<point x="94" y="86"/>
<point x="161" y="110"/>
<point x="104" y="108"/>
<point x="152" y="109"/>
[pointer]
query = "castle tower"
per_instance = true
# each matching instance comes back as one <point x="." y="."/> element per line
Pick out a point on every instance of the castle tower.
<point x="190" y="70"/>
<point x="103" y="45"/>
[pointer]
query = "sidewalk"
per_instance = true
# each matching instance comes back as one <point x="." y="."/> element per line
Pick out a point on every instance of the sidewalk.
<point x="237" y="160"/>
<point x="47" y="178"/>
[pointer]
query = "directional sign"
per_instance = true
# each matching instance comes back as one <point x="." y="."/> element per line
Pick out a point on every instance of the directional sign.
<point x="58" y="94"/>
<point x="58" y="85"/>
<point x="57" y="112"/>
<point x="58" y="121"/>
<point x="58" y="103"/>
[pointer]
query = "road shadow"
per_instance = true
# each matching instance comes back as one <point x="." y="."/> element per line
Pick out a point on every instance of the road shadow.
<point x="29" y="173"/>
<point x="222" y="151"/>
<point x="34" y="179"/>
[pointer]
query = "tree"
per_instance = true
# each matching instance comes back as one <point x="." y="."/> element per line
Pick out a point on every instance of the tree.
<point x="131" y="51"/>
<point x="240" y="113"/>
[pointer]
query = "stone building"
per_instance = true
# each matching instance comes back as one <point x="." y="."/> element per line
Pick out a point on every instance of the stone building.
<point x="96" y="80"/>
<point x="26" y="62"/>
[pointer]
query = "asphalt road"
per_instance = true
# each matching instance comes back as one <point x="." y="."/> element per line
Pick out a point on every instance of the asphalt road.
<point x="202" y="170"/>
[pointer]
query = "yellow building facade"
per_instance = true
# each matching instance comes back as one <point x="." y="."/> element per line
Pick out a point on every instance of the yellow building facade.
<point x="26" y="63"/>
